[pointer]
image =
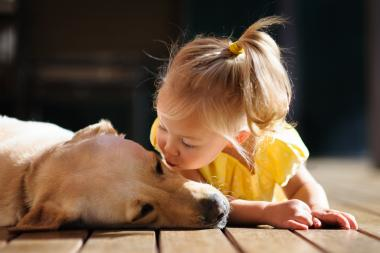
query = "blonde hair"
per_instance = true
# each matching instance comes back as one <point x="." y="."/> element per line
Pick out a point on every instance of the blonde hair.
<point x="230" y="90"/>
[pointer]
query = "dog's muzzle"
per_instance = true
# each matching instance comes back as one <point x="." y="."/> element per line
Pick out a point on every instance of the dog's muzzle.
<point x="215" y="210"/>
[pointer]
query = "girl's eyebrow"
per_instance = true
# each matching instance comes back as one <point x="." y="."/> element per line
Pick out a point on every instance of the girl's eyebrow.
<point x="190" y="137"/>
<point x="182" y="136"/>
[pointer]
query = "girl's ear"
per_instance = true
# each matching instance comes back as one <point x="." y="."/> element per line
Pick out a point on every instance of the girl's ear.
<point x="45" y="216"/>
<point x="242" y="136"/>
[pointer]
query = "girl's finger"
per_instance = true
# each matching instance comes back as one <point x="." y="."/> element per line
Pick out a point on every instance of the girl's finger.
<point x="351" y="219"/>
<point x="292" y="224"/>
<point x="332" y="218"/>
<point x="317" y="223"/>
<point x="342" y="220"/>
<point x="304" y="218"/>
<point x="318" y="213"/>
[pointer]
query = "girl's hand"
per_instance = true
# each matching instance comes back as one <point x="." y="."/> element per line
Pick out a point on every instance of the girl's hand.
<point x="335" y="218"/>
<point x="291" y="214"/>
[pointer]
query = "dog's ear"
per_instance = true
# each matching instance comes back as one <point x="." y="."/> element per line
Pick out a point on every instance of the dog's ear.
<point x="45" y="216"/>
<point x="102" y="127"/>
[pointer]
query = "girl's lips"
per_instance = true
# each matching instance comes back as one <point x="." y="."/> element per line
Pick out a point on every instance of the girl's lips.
<point x="171" y="164"/>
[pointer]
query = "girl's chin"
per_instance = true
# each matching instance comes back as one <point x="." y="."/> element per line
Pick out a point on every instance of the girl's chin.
<point x="182" y="169"/>
<point x="178" y="168"/>
<point x="173" y="167"/>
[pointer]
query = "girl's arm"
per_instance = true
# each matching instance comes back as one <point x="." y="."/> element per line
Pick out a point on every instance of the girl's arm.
<point x="304" y="187"/>
<point x="307" y="206"/>
<point x="248" y="212"/>
<point x="291" y="214"/>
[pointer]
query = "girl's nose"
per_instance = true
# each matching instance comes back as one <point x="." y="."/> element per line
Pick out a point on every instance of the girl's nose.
<point x="171" y="149"/>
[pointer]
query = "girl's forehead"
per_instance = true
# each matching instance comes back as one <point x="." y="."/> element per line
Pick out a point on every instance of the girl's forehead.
<point x="182" y="117"/>
<point x="188" y="127"/>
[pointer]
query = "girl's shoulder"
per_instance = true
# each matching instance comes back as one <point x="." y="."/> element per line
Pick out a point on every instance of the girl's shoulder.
<point x="284" y="139"/>
<point x="281" y="153"/>
<point x="282" y="142"/>
<point x="287" y="134"/>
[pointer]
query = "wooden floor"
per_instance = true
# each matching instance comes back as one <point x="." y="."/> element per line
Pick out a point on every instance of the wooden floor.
<point x="352" y="185"/>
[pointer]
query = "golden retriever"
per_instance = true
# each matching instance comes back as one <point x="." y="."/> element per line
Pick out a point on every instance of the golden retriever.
<point x="50" y="176"/>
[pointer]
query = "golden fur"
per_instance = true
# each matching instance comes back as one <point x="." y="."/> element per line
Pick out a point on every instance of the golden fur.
<point x="50" y="176"/>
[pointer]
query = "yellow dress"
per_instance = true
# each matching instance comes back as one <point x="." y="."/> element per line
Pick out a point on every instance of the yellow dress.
<point x="277" y="159"/>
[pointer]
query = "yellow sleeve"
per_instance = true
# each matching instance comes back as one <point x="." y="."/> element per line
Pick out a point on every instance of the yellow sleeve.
<point x="153" y="134"/>
<point x="281" y="155"/>
<point x="229" y="176"/>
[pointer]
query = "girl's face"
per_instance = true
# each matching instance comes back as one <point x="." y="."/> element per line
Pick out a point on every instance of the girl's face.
<point x="186" y="144"/>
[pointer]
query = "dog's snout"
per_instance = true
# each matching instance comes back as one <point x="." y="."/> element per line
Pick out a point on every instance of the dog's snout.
<point x="214" y="209"/>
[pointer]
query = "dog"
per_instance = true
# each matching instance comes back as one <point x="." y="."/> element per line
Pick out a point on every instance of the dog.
<point x="50" y="176"/>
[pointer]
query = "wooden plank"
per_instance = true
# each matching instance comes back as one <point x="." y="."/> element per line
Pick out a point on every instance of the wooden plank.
<point x="269" y="240"/>
<point x="354" y="171"/>
<point x="364" y="178"/>
<point x="121" y="241"/>
<point x="4" y="236"/>
<point x="353" y="197"/>
<point x="341" y="240"/>
<point x="41" y="242"/>
<point x="207" y="240"/>
<point x="352" y="185"/>
<point x="367" y="222"/>
<point x="355" y="182"/>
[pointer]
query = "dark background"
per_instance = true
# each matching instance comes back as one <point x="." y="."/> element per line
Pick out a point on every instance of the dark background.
<point x="72" y="62"/>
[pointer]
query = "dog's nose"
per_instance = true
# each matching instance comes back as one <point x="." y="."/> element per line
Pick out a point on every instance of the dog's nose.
<point x="215" y="210"/>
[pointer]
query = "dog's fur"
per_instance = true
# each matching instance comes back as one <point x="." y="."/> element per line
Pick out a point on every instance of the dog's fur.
<point x="50" y="176"/>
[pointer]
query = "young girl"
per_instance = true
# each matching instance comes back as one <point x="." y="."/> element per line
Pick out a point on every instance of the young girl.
<point x="221" y="108"/>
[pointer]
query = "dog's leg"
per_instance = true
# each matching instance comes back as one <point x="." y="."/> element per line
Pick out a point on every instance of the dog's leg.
<point x="46" y="216"/>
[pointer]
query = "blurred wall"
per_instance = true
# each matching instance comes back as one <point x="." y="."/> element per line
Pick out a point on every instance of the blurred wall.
<point x="78" y="61"/>
<point x="373" y="76"/>
<point x="332" y="56"/>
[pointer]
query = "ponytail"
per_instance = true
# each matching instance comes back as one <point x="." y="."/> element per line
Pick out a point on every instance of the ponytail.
<point x="265" y="83"/>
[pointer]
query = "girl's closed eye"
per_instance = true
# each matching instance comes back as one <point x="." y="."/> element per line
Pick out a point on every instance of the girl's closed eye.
<point x="188" y="145"/>
<point x="162" y="128"/>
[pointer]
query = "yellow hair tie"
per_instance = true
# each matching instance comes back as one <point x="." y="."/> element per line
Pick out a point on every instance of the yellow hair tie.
<point x="235" y="48"/>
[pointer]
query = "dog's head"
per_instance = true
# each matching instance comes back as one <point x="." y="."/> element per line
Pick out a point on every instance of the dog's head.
<point x="102" y="179"/>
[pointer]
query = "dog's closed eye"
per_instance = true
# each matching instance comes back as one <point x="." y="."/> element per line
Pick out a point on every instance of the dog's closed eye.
<point x="159" y="169"/>
<point x="145" y="210"/>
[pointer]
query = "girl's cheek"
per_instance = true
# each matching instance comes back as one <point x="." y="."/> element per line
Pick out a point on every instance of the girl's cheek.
<point x="192" y="159"/>
<point x="160" y="142"/>
<point x="161" y="145"/>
